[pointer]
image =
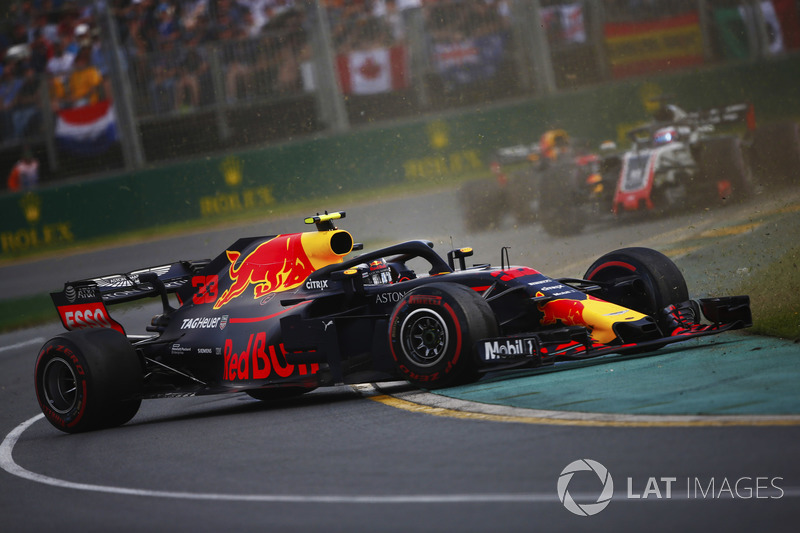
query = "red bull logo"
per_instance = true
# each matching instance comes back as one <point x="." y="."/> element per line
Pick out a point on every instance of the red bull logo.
<point x="593" y="313"/>
<point x="276" y="265"/>
<point x="569" y="312"/>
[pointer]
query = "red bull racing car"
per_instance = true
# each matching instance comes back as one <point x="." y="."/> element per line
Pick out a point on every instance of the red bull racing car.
<point x="539" y="182"/>
<point x="280" y="315"/>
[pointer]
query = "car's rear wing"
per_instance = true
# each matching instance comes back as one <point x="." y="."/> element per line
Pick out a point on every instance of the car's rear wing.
<point x="518" y="153"/>
<point x="729" y="114"/>
<point x="82" y="304"/>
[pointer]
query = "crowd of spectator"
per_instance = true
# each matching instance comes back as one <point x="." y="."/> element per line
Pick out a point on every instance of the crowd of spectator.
<point x="179" y="54"/>
<point x="170" y="44"/>
<point x="40" y="41"/>
<point x="52" y="47"/>
<point x="260" y="48"/>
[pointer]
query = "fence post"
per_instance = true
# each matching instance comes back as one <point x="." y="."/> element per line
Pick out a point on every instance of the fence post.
<point x="330" y="101"/>
<point x="705" y="30"/>
<point x="419" y="66"/>
<point x="544" y="78"/>
<point x="220" y="98"/>
<point x="597" y="17"/>
<point x="120" y="83"/>
<point x="48" y="124"/>
<point x="520" y="30"/>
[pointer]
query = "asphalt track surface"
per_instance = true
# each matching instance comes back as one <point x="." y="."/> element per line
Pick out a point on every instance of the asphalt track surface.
<point x="701" y="438"/>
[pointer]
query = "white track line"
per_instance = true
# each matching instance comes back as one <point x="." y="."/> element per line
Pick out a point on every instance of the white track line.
<point x="8" y="464"/>
<point x="37" y="340"/>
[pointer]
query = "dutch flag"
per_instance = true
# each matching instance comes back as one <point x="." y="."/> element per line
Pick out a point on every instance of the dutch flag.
<point x="88" y="130"/>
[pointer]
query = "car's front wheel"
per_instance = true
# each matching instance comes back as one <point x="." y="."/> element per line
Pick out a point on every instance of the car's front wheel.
<point x="88" y="380"/>
<point x="641" y="279"/>
<point x="433" y="331"/>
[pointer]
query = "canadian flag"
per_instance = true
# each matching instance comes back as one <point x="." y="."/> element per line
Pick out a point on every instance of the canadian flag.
<point x="374" y="71"/>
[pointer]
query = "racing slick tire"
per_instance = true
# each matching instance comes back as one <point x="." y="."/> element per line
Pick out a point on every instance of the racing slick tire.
<point x="776" y="150"/>
<point x="482" y="203"/>
<point x="523" y="196"/>
<point x="562" y="207"/>
<point x="725" y="173"/>
<point x="433" y="331"/>
<point x="641" y="279"/>
<point x="88" y="379"/>
<point x="280" y="393"/>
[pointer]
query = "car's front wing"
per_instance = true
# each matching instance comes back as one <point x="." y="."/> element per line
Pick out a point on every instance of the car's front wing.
<point x="574" y="342"/>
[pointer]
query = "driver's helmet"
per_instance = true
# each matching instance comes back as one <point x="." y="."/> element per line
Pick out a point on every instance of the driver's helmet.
<point x="553" y="143"/>
<point x="665" y="136"/>
<point x="377" y="272"/>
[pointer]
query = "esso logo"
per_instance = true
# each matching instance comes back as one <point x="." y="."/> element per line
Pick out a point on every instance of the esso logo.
<point x="86" y="316"/>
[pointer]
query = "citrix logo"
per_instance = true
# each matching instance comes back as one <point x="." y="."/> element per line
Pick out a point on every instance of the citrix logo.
<point x="586" y="509"/>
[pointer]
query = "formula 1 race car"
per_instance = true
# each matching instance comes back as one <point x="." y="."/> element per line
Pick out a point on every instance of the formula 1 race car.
<point x="278" y="316"/>
<point x="675" y="162"/>
<point x="535" y="182"/>
<point x="684" y="160"/>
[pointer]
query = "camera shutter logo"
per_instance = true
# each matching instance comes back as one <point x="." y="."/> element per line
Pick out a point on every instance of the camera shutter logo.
<point x="586" y="509"/>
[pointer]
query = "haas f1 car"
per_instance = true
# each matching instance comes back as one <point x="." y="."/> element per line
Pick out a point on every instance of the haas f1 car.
<point x="682" y="160"/>
<point x="281" y="315"/>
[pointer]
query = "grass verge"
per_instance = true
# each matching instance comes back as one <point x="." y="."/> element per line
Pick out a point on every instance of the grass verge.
<point x="775" y="297"/>
<point x="25" y="312"/>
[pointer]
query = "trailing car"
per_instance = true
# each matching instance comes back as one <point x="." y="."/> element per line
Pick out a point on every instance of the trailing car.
<point x="541" y="182"/>
<point x="680" y="160"/>
<point x="280" y="315"/>
<point x="685" y="160"/>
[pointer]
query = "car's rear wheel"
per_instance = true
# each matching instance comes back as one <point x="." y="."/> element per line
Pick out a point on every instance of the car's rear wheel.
<point x="433" y="331"/>
<point x="88" y="380"/>
<point x="483" y="204"/>
<point x="725" y="173"/>
<point x="523" y="196"/>
<point x="563" y="209"/>
<point x="641" y="279"/>
<point x="776" y="149"/>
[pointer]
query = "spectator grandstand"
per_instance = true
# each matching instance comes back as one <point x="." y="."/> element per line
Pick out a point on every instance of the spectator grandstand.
<point x="186" y="77"/>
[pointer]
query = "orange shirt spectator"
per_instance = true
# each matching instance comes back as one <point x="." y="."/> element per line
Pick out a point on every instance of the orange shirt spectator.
<point x="85" y="85"/>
